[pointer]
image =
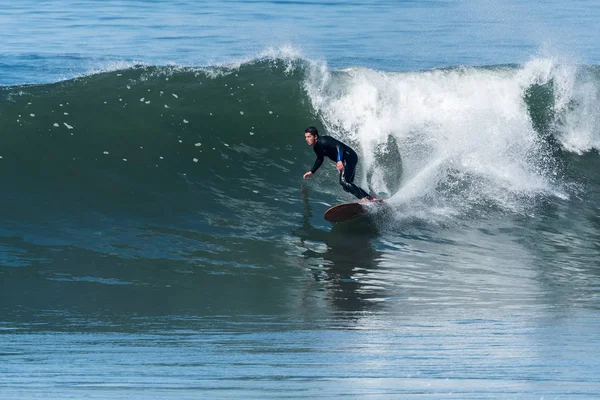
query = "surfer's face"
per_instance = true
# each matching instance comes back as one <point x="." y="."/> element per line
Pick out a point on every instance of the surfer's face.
<point x="310" y="139"/>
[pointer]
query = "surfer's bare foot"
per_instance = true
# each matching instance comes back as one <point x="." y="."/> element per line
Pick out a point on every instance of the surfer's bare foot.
<point x="365" y="199"/>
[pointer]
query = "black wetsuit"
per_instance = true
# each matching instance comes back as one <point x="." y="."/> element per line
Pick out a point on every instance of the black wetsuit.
<point x="338" y="151"/>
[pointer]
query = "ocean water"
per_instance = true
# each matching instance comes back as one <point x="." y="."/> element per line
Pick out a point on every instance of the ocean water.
<point x="157" y="239"/>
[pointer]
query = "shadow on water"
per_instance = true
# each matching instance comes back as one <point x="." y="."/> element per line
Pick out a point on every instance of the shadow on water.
<point x="343" y="259"/>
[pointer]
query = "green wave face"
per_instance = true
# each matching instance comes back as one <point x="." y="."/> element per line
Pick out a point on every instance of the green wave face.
<point x="163" y="142"/>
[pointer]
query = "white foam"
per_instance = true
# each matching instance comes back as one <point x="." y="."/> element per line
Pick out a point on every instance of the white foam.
<point x="579" y="128"/>
<point x="464" y="134"/>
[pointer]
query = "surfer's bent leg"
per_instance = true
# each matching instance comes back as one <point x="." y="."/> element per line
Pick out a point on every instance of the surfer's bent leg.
<point x="347" y="178"/>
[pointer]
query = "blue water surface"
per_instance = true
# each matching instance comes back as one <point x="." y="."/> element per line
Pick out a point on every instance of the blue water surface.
<point x="46" y="41"/>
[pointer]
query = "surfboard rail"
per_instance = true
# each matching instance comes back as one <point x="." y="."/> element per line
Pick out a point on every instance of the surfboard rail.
<point x="347" y="211"/>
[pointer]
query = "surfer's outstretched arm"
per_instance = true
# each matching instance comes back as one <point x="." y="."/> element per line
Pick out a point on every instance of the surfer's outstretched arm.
<point x="317" y="163"/>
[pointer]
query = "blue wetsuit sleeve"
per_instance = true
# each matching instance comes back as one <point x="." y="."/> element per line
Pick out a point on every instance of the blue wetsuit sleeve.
<point x="317" y="164"/>
<point x="340" y="152"/>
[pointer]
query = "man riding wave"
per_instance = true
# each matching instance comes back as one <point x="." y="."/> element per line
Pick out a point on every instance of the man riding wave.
<point x="342" y="154"/>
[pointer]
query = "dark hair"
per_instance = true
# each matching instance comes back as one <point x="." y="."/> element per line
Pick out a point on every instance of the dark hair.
<point x="312" y="130"/>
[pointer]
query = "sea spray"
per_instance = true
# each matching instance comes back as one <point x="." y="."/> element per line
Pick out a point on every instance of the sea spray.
<point x="465" y="136"/>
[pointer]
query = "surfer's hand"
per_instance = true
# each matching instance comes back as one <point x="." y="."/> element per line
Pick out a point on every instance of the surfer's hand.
<point x="340" y="166"/>
<point x="307" y="175"/>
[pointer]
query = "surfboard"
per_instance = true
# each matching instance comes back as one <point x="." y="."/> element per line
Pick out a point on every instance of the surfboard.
<point x="348" y="211"/>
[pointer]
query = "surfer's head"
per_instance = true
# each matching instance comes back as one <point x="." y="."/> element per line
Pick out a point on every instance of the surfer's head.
<point x="311" y="134"/>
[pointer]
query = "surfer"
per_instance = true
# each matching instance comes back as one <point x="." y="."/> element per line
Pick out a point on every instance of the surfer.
<point x="342" y="154"/>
